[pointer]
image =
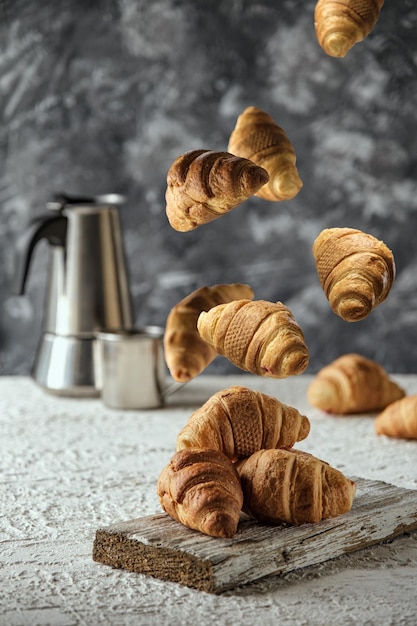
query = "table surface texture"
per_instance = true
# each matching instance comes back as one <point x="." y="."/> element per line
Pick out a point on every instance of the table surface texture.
<point x="70" y="466"/>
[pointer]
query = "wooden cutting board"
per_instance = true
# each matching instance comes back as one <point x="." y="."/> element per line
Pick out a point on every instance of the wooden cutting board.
<point x="160" y="547"/>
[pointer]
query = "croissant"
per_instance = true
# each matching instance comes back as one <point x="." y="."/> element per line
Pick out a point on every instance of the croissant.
<point x="356" y="271"/>
<point x="257" y="137"/>
<point x="186" y="354"/>
<point x="259" y="337"/>
<point x="238" y="421"/>
<point x="294" y="487"/>
<point x="202" y="185"/>
<point x="201" y="489"/>
<point x="399" y="419"/>
<point x="353" y="384"/>
<point x="340" y="24"/>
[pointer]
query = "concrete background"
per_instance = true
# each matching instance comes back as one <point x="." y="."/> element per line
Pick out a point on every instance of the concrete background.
<point x="102" y="96"/>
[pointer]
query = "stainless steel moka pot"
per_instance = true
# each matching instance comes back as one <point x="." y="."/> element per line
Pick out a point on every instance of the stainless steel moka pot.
<point x="87" y="288"/>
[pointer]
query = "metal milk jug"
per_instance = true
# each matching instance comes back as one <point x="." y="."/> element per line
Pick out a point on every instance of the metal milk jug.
<point x="87" y="288"/>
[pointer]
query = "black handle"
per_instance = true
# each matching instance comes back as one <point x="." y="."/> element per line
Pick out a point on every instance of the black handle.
<point x="50" y="226"/>
<point x="61" y="199"/>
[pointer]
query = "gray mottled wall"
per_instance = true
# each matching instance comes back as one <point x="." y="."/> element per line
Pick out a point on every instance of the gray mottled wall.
<point x="102" y="95"/>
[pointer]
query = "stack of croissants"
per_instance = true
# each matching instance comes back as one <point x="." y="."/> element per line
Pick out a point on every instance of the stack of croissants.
<point x="236" y="452"/>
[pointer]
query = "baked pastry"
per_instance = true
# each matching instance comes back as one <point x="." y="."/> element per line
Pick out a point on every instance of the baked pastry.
<point x="186" y="353"/>
<point x="239" y="421"/>
<point x="257" y="137"/>
<point x="201" y="489"/>
<point x="356" y="271"/>
<point x="353" y="384"/>
<point x="340" y="24"/>
<point x="259" y="337"/>
<point x="399" y="419"/>
<point x="203" y="185"/>
<point x="293" y="487"/>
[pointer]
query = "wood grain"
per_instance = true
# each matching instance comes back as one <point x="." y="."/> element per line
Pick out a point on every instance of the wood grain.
<point x="160" y="547"/>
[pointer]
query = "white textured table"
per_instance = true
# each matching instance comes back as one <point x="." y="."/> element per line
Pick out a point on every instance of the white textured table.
<point x="70" y="466"/>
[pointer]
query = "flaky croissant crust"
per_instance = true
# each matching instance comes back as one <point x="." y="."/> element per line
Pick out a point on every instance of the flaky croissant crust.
<point x="294" y="487"/>
<point x="399" y="419"/>
<point x="352" y="384"/>
<point x="356" y="271"/>
<point x="257" y="137"/>
<point x="201" y="489"/>
<point x="203" y="185"/>
<point x="186" y="353"/>
<point x="239" y="421"/>
<point x="260" y="337"/>
<point x="340" y="24"/>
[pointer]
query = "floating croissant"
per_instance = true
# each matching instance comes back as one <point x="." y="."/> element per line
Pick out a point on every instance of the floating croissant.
<point x="257" y="137"/>
<point x="202" y="185"/>
<point x="201" y="489"/>
<point x="294" y="487"/>
<point x="186" y="354"/>
<point x="353" y="384"/>
<point x="356" y="271"/>
<point x="238" y="421"/>
<point x="259" y="337"/>
<point x="399" y="419"/>
<point x="340" y="24"/>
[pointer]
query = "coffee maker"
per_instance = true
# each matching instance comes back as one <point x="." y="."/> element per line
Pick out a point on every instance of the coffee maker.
<point x="87" y="288"/>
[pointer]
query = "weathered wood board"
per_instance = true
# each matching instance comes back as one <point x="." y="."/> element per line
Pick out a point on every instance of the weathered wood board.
<point x="160" y="547"/>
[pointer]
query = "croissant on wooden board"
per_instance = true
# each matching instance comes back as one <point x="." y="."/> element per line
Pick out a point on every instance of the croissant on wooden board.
<point x="238" y="421"/>
<point x="356" y="271"/>
<point x="203" y="185"/>
<point x="257" y="137"/>
<point x="294" y="487"/>
<point x="201" y="489"/>
<point x="186" y="353"/>
<point x="340" y="24"/>
<point x="257" y="336"/>
<point x="353" y="384"/>
<point x="399" y="419"/>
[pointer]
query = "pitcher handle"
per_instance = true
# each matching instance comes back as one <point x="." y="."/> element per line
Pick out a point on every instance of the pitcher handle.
<point x="50" y="226"/>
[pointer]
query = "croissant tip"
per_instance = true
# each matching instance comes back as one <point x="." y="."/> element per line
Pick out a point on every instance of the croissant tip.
<point x="182" y="375"/>
<point x="337" y="45"/>
<point x="292" y="364"/>
<point x="295" y="363"/>
<point x="287" y="186"/>
<point x="353" y="310"/>
<point x="305" y="428"/>
<point x="254" y="178"/>
<point x="221" y="525"/>
<point x="185" y="443"/>
<point x="321" y="395"/>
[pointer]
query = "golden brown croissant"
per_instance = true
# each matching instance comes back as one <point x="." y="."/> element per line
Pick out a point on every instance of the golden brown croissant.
<point x="238" y="421"/>
<point x="259" y="337"/>
<point x="340" y="24"/>
<point x="399" y="419"/>
<point x="356" y="271"/>
<point x="293" y="487"/>
<point x="201" y="489"/>
<point x="186" y="354"/>
<point x="202" y="185"/>
<point x="257" y="137"/>
<point x="353" y="384"/>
